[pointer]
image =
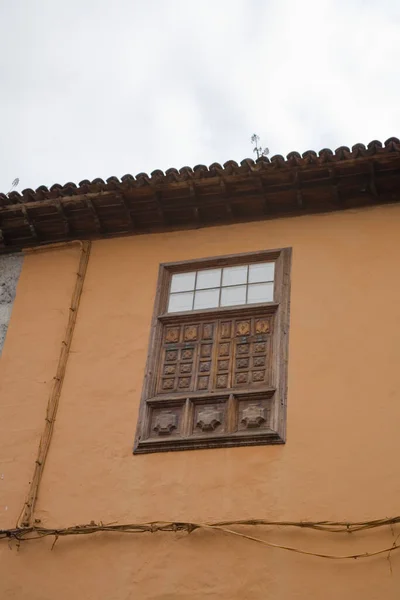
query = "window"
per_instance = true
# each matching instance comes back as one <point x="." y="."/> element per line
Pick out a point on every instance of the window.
<point x="227" y="286"/>
<point x="216" y="370"/>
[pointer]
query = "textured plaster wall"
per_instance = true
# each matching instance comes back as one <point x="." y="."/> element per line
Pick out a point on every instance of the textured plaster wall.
<point x="339" y="462"/>
<point x="27" y="367"/>
<point x="10" y="269"/>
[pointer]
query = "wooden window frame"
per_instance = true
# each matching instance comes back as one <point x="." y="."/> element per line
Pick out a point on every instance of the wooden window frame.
<point x="185" y="404"/>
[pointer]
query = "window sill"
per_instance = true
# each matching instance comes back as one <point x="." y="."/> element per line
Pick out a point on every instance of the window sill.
<point x="197" y="442"/>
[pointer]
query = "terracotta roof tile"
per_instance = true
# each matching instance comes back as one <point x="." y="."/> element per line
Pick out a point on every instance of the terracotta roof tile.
<point x="266" y="187"/>
<point x="231" y="167"/>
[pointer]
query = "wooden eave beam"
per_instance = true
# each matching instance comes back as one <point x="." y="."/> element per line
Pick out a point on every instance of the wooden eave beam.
<point x="50" y="201"/>
<point x="194" y="198"/>
<point x="298" y="188"/>
<point x="227" y="198"/>
<point x="95" y="215"/>
<point x="259" y="182"/>
<point x="127" y="210"/>
<point x="160" y="207"/>
<point x="372" y="180"/>
<point x="336" y="198"/>
<point x="61" y="212"/>
<point x="29" y="221"/>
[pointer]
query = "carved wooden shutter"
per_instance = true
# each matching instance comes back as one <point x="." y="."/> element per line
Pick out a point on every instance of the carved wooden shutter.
<point x="212" y="355"/>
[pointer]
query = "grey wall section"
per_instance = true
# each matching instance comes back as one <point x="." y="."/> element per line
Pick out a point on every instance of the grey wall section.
<point x="10" y="270"/>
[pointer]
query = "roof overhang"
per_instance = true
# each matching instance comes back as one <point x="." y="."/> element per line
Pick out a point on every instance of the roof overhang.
<point x="203" y="196"/>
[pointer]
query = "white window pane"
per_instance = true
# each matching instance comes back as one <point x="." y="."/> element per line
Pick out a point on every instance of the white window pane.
<point x="234" y="275"/>
<point x="210" y="278"/>
<point x="261" y="272"/>
<point x="260" y="292"/>
<point x="230" y="296"/>
<point x="182" y="282"/>
<point x="206" y="299"/>
<point x="178" y="302"/>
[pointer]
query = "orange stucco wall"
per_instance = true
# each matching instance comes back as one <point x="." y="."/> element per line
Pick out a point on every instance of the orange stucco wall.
<point x="339" y="462"/>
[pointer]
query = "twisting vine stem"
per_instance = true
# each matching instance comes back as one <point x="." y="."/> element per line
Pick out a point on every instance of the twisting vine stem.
<point x="33" y="533"/>
<point x="26" y="515"/>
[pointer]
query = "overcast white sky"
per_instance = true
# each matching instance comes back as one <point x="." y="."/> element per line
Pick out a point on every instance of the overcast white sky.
<point x="94" y="88"/>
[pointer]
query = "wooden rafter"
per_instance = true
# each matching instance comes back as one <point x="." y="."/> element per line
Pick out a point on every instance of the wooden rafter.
<point x="259" y="183"/>
<point x="372" y="179"/>
<point x="91" y="206"/>
<point x="194" y="200"/>
<point x="126" y="209"/>
<point x="336" y="197"/>
<point x="29" y="221"/>
<point x="298" y="189"/>
<point x="228" y="202"/>
<point x="61" y="212"/>
<point x="160" y="207"/>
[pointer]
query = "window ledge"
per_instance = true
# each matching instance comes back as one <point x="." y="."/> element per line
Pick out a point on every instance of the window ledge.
<point x="237" y="439"/>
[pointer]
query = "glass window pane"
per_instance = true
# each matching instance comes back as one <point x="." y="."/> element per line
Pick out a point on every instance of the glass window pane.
<point x="182" y="282"/>
<point x="206" y="299"/>
<point x="234" y="275"/>
<point x="210" y="278"/>
<point x="261" y="272"/>
<point x="230" y="296"/>
<point x="178" y="302"/>
<point x="260" y="292"/>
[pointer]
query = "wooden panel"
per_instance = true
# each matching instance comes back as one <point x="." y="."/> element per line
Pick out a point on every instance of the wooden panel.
<point x="216" y="355"/>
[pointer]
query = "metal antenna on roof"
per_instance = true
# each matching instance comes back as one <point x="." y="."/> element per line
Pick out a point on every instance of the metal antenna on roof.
<point x="258" y="149"/>
<point x="14" y="185"/>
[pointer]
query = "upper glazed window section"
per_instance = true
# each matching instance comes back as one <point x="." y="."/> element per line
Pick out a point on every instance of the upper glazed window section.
<point x="227" y="286"/>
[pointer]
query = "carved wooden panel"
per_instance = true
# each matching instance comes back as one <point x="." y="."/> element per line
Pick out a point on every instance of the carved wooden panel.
<point x="252" y="364"/>
<point x="166" y="422"/>
<point x="216" y="355"/>
<point x="188" y="423"/>
<point x="178" y="358"/>
<point x="254" y="414"/>
<point x="209" y="419"/>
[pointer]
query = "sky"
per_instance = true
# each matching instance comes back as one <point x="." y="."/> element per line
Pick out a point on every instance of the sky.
<point x="95" y="88"/>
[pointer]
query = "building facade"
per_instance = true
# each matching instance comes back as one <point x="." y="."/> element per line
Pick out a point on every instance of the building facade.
<point x="253" y="376"/>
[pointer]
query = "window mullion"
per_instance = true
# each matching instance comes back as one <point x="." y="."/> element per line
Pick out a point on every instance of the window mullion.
<point x="194" y="291"/>
<point x="220" y="287"/>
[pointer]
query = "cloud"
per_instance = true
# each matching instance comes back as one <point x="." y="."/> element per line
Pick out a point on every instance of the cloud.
<point x="98" y="88"/>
